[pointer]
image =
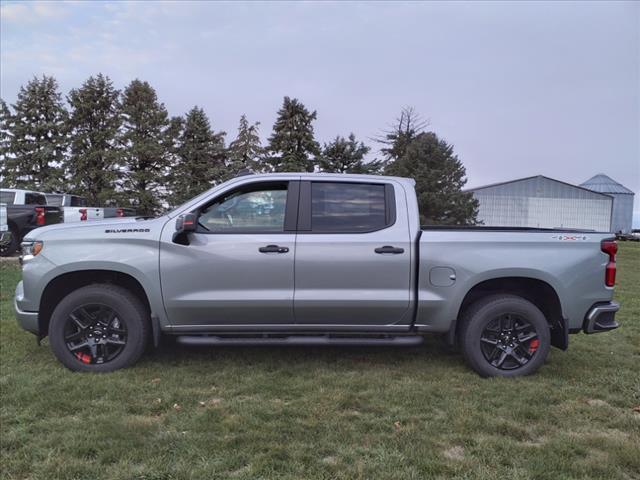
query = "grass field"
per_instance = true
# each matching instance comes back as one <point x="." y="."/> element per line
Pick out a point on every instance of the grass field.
<point x="324" y="413"/>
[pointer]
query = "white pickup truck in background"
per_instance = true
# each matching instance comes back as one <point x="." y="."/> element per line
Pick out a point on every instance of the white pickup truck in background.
<point x="74" y="207"/>
<point x="5" y="233"/>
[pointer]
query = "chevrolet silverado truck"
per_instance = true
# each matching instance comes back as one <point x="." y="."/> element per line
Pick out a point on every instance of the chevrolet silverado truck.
<point x="312" y="259"/>
<point x="26" y="211"/>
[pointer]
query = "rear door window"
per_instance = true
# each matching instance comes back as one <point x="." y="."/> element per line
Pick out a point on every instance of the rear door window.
<point x="340" y="207"/>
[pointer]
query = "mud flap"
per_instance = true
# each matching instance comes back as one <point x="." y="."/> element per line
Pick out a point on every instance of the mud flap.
<point x="560" y="334"/>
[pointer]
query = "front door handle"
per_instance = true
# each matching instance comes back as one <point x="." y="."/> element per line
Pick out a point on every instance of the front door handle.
<point x="273" y="249"/>
<point x="389" y="249"/>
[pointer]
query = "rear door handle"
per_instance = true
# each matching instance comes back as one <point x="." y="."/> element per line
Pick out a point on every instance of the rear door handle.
<point x="389" y="249"/>
<point x="273" y="249"/>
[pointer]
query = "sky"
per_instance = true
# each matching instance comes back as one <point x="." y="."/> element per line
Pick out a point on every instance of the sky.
<point x="519" y="88"/>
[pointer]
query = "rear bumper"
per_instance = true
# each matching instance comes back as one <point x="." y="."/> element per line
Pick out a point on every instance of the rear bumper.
<point x="601" y="318"/>
<point x="27" y="320"/>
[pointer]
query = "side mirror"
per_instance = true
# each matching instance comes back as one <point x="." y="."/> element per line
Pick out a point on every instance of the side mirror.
<point x="184" y="224"/>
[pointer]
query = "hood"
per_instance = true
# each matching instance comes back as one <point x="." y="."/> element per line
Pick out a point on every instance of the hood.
<point x="90" y="229"/>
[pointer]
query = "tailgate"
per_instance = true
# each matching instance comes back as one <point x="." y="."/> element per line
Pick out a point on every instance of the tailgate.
<point x="52" y="215"/>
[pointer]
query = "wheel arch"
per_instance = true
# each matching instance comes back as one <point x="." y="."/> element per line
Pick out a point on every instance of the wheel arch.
<point x="538" y="292"/>
<point x="65" y="283"/>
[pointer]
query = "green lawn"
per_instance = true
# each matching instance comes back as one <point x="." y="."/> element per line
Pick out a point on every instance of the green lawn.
<point x="324" y="413"/>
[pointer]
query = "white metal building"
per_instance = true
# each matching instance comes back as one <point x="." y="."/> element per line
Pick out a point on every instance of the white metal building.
<point x="622" y="217"/>
<point x="542" y="202"/>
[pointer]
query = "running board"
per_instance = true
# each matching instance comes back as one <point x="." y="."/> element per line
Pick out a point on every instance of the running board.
<point x="406" y="340"/>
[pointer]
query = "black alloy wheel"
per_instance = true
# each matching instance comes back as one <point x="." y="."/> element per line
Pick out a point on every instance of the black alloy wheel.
<point x="95" y="334"/>
<point x="504" y="335"/>
<point x="509" y="342"/>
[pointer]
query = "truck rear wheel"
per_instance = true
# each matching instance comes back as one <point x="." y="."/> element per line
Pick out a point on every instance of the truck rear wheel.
<point x="505" y="336"/>
<point x="99" y="328"/>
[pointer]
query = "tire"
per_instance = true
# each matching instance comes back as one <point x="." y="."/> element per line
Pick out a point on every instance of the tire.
<point x="11" y="247"/>
<point x="122" y="306"/>
<point x="482" y="324"/>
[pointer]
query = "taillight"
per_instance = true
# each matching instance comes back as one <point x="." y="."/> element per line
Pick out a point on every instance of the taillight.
<point x="40" y="216"/>
<point x="119" y="212"/>
<point x="83" y="214"/>
<point x="610" y="247"/>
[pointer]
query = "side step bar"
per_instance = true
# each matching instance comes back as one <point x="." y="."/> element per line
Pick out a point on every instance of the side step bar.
<point x="407" y="340"/>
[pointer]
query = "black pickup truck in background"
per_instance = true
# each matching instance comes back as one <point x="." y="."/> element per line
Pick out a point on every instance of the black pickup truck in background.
<point x="21" y="219"/>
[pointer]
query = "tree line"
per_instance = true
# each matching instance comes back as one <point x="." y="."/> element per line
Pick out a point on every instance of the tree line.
<point x="122" y="147"/>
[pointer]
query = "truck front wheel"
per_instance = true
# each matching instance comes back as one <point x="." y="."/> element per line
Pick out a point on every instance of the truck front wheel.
<point x="10" y="247"/>
<point x="504" y="335"/>
<point x="99" y="328"/>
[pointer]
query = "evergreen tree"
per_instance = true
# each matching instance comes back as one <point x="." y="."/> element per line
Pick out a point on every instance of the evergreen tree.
<point x="5" y="133"/>
<point x="406" y="127"/>
<point x="347" y="156"/>
<point x="38" y="139"/>
<point x="200" y="158"/>
<point x="245" y="151"/>
<point x="146" y="147"/>
<point x="439" y="176"/>
<point x="292" y="145"/>
<point x="94" y="121"/>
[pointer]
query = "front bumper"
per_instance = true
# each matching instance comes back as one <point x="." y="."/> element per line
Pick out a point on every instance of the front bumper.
<point x="27" y="320"/>
<point x="601" y="318"/>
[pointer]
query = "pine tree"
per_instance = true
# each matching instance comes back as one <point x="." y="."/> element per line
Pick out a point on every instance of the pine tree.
<point x="146" y="143"/>
<point x="94" y="121"/>
<point x="439" y="176"/>
<point x="292" y="145"/>
<point x="405" y="128"/>
<point x="347" y="156"/>
<point x="246" y="150"/>
<point x="5" y="133"/>
<point x="200" y="158"/>
<point x="38" y="138"/>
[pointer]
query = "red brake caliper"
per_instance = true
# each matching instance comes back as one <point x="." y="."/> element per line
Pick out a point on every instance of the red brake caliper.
<point x="83" y="357"/>
<point x="533" y="346"/>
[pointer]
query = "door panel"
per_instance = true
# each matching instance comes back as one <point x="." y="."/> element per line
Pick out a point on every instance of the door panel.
<point x="339" y="277"/>
<point x="238" y="267"/>
<point x="224" y="279"/>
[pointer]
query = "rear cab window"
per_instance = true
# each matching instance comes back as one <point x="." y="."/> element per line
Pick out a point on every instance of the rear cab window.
<point x="78" y="201"/>
<point x="33" y="198"/>
<point x="54" y="199"/>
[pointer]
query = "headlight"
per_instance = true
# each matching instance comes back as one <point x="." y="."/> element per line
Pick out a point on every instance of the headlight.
<point x="31" y="249"/>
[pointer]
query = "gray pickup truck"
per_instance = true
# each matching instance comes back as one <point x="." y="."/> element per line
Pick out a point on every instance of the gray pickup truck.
<point x="312" y="259"/>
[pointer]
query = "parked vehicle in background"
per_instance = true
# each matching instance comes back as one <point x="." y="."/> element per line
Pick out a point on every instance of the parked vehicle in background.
<point x="118" y="212"/>
<point x="74" y="207"/>
<point x="312" y="259"/>
<point x="632" y="236"/>
<point x="26" y="211"/>
<point x="5" y="233"/>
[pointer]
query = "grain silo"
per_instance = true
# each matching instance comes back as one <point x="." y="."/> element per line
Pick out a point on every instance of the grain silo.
<point x="622" y="217"/>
